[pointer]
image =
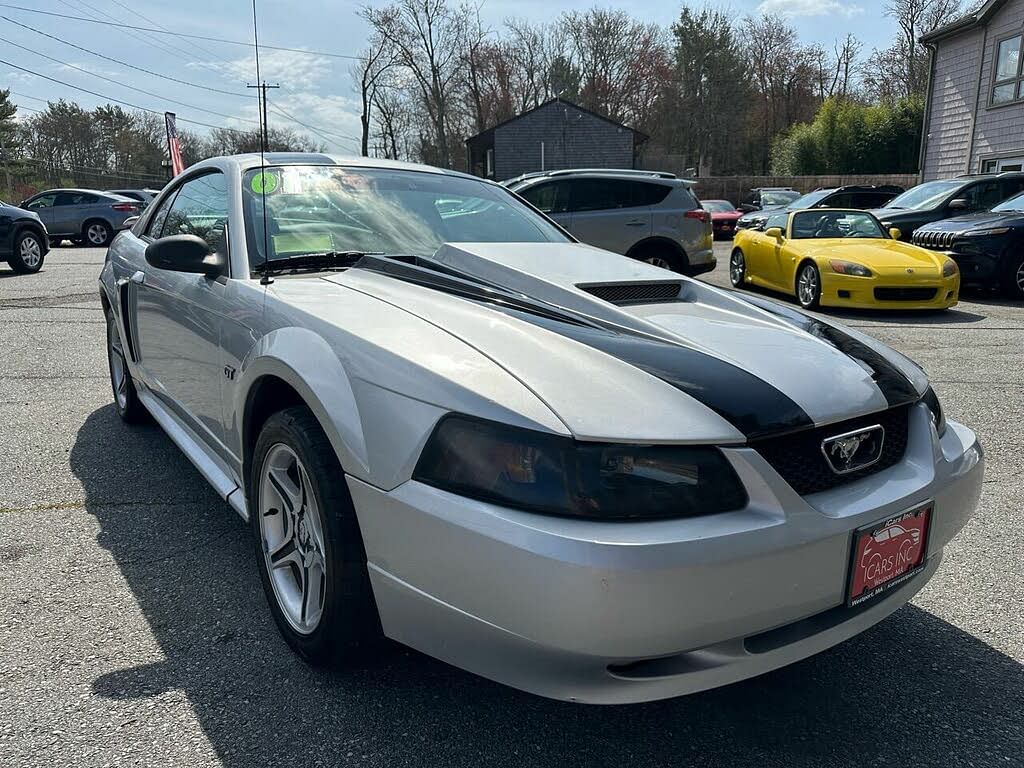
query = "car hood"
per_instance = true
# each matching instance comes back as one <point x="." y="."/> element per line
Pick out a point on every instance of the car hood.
<point x="695" y="364"/>
<point x="980" y="220"/>
<point x="725" y="215"/>
<point x="871" y="252"/>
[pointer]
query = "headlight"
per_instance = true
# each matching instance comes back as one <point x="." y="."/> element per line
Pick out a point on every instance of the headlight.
<point x="938" y="417"/>
<point x="556" y="475"/>
<point x="849" y="268"/>
<point x="949" y="268"/>
<point x="985" y="232"/>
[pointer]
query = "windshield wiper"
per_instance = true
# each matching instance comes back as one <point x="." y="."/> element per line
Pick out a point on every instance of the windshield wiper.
<point x="325" y="260"/>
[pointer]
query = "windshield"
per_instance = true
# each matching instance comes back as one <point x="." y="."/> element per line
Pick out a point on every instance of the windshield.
<point x="810" y="200"/>
<point x="718" y="206"/>
<point x="317" y="209"/>
<point x="926" y="195"/>
<point x="1015" y="203"/>
<point x="831" y="224"/>
<point x="778" y="197"/>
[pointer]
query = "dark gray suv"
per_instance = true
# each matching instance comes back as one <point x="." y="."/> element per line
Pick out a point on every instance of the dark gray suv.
<point x="647" y="215"/>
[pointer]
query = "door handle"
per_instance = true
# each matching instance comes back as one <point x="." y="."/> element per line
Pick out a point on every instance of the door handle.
<point x="635" y="223"/>
<point x="139" y="277"/>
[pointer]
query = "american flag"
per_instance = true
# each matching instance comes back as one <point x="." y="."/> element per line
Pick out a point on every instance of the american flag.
<point x="173" y="143"/>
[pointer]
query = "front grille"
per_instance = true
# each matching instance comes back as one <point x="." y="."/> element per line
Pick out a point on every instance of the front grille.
<point x="632" y="293"/>
<point x="937" y="241"/>
<point x="905" y="294"/>
<point x="799" y="460"/>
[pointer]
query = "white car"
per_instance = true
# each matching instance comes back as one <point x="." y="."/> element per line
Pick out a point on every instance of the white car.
<point x="449" y="423"/>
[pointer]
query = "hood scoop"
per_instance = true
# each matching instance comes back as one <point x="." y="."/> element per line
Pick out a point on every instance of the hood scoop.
<point x="634" y="292"/>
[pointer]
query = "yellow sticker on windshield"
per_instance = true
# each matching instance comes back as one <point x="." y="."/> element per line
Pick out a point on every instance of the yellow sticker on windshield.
<point x="263" y="183"/>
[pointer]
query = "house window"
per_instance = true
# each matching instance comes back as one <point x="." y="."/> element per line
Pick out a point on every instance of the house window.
<point x="1008" y="83"/>
<point x="490" y="164"/>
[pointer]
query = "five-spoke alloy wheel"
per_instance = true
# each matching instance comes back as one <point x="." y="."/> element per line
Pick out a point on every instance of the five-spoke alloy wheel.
<point x="808" y="286"/>
<point x="126" y="398"/>
<point x="28" y="253"/>
<point x="737" y="268"/>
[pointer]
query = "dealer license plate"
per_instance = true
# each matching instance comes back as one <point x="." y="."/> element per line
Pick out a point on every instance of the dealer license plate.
<point x="888" y="553"/>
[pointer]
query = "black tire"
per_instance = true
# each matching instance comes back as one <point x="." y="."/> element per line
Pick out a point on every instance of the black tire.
<point x="1012" y="279"/>
<point x="55" y="242"/>
<point x="810" y="297"/>
<point x="349" y="625"/>
<point x="737" y="268"/>
<point x="126" y="397"/>
<point x="97" y="233"/>
<point x="660" y="255"/>
<point x="28" y="254"/>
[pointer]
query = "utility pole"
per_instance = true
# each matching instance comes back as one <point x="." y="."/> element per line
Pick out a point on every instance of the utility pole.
<point x="263" y="112"/>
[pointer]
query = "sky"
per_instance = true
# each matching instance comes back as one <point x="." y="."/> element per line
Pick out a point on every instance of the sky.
<point x="316" y="90"/>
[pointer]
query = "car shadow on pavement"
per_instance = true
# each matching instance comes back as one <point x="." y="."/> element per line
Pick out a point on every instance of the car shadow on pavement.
<point x="914" y="690"/>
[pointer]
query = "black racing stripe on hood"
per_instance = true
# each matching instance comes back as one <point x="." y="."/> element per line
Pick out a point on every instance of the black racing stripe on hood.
<point x="890" y="380"/>
<point x="752" y="405"/>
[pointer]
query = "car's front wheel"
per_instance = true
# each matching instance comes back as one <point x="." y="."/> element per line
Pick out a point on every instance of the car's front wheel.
<point x="1013" y="278"/>
<point x="737" y="268"/>
<point x="126" y="398"/>
<point x="310" y="552"/>
<point x="808" y="286"/>
<point x="28" y="253"/>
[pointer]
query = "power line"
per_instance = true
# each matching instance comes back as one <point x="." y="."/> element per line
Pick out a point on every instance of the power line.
<point x="118" y="82"/>
<point x="125" y="63"/>
<point x="115" y="101"/>
<point x="94" y="16"/>
<point x="323" y="133"/>
<point x="135" y="175"/>
<point x="181" y="34"/>
<point x="136" y="12"/>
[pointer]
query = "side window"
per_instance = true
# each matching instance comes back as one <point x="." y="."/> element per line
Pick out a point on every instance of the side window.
<point x="645" y="193"/>
<point x="982" y="196"/>
<point x="43" y="201"/>
<point x="550" y="197"/>
<point x="599" y="194"/>
<point x="1009" y="188"/>
<point x="200" y="208"/>
<point x="156" y="223"/>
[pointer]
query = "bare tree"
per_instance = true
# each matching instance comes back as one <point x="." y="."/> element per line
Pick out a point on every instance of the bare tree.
<point x="428" y="38"/>
<point x="835" y="72"/>
<point x="372" y="68"/>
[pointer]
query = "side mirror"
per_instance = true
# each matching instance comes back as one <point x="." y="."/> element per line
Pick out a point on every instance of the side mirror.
<point x="186" y="253"/>
<point x="895" y="234"/>
<point x="129" y="222"/>
<point x="775" y="232"/>
<point x="747" y="207"/>
<point x="959" y="204"/>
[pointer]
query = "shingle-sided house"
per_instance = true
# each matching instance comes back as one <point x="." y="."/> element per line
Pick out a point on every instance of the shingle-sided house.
<point x="974" y="117"/>
<point x="557" y="134"/>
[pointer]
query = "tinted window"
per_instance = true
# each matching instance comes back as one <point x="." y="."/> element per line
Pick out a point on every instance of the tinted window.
<point x="550" y="197"/>
<point x="599" y="194"/>
<point x="75" y="198"/>
<point x="834" y="224"/>
<point x="43" y="201"/>
<point x="1008" y="187"/>
<point x="156" y="223"/>
<point x="981" y="197"/>
<point x="200" y="208"/>
<point x="925" y="196"/>
<point x="645" y="193"/>
<point x="868" y="200"/>
<point x="310" y="209"/>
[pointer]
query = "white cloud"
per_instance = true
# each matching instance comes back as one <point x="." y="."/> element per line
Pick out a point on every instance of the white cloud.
<point x="810" y="8"/>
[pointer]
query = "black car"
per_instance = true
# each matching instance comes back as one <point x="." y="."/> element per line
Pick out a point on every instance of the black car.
<point x="861" y="196"/>
<point x="987" y="246"/>
<point x="937" y="200"/>
<point x="23" y="239"/>
<point x="762" y="198"/>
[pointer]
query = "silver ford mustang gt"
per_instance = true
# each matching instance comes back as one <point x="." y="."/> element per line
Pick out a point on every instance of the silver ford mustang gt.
<point x="449" y="423"/>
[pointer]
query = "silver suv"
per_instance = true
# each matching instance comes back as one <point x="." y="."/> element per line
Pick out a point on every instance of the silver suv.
<point x="82" y="215"/>
<point x="647" y="215"/>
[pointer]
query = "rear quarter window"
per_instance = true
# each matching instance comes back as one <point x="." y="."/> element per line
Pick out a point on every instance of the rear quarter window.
<point x="647" y="193"/>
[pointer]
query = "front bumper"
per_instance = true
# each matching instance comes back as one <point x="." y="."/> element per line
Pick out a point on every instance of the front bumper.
<point x="859" y="292"/>
<point x="627" y="612"/>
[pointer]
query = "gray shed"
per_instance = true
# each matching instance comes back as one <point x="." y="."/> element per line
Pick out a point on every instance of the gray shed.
<point x="557" y="134"/>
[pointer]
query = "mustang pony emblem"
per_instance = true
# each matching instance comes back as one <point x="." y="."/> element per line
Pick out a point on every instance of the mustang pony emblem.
<point x="853" y="450"/>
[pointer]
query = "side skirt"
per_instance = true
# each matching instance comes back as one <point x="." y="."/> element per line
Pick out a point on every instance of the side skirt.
<point x="208" y="463"/>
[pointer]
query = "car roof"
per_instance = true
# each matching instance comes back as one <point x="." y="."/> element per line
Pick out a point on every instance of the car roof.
<point x="246" y="162"/>
<point x="602" y="173"/>
<point x="71" y="189"/>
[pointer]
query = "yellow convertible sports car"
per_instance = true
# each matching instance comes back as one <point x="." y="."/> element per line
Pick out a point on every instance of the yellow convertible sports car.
<point x="841" y="258"/>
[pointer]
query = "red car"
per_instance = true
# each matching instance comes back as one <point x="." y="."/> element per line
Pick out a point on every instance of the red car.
<point x="723" y="216"/>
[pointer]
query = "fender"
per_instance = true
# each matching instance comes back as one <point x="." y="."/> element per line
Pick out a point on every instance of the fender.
<point x="307" y="363"/>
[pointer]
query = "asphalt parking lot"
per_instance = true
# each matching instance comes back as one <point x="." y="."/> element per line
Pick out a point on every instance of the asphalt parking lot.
<point x="133" y="630"/>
